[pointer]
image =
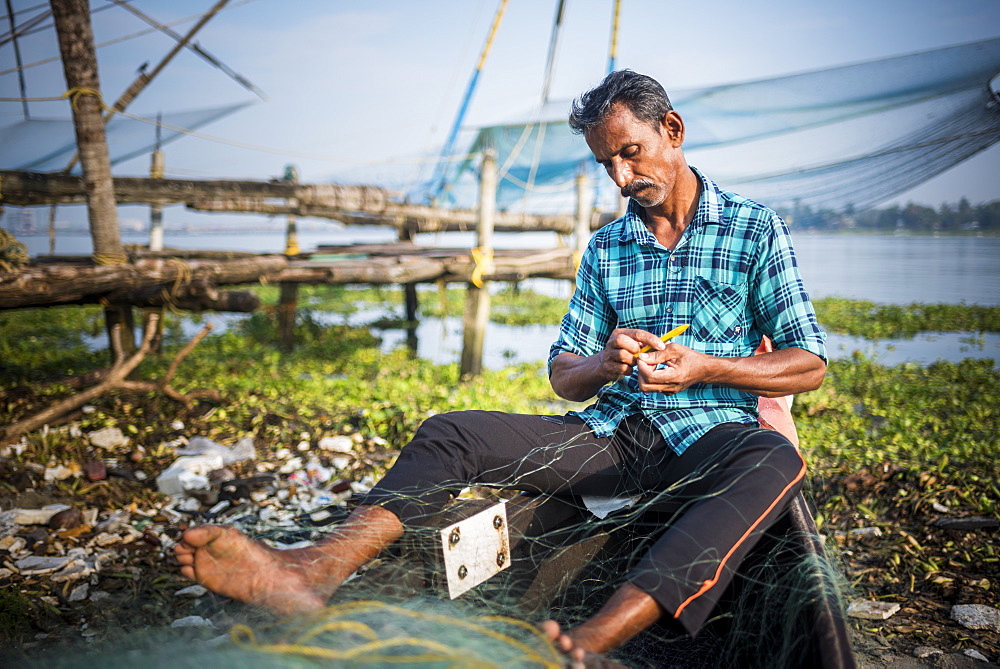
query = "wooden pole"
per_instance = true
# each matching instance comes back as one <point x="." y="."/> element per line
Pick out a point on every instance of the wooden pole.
<point x="76" y="47"/>
<point x="288" y="302"/>
<point x="287" y="306"/>
<point x="477" y="299"/>
<point x="156" y="208"/>
<point x="292" y="230"/>
<point x="583" y="211"/>
<point x="145" y="77"/>
<point x="405" y="234"/>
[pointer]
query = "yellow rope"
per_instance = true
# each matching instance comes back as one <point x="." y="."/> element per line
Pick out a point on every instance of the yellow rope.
<point x="577" y="259"/>
<point x="74" y="95"/>
<point x="331" y="619"/>
<point x="484" y="263"/>
<point x="110" y="258"/>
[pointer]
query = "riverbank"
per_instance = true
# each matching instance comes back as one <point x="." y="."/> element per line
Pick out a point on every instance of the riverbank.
<point x="897" y="456"/>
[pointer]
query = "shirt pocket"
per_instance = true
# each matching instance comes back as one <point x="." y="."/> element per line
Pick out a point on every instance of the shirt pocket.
<point x="719" y="312"/>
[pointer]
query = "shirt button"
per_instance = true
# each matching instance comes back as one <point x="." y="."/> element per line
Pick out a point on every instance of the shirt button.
<point x="670" y="310"/>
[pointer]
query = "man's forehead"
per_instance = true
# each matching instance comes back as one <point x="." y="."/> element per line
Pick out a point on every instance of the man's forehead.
<point x="618" y="129"/>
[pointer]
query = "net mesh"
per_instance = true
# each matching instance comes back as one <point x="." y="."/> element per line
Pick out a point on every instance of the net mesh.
<point x="44" y="145"/>
<point x="847" y="136"/>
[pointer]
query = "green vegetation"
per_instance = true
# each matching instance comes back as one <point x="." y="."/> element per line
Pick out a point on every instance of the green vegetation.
<point x="889" y="447"/>
<point x="867" y="319"/>
<point x="960" y="218"/>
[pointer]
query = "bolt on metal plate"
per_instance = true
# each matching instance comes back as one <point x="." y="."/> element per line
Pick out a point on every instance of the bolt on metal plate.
<point x="475" y="549"/>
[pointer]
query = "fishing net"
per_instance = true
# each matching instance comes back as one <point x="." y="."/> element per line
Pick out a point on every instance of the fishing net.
<point x="44" y="145"/>
<point x="849" y="136"/>
<point x="780" y="610"/>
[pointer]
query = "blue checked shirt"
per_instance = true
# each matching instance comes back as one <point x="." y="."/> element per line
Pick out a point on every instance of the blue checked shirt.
<point x="732" y="277"/>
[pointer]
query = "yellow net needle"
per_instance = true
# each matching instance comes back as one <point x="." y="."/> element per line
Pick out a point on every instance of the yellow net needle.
<point x="667" y="337"/>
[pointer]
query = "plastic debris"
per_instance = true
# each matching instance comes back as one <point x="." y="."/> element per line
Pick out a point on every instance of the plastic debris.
<point x="243" y="450"/>
<point x="108" y="438"/>
<point x="34" y="565"/>
<point x="340" y="444"/>
<point x="36" y="516"/>
<point x="872" y="610"/>
<point x="189" y="472"/>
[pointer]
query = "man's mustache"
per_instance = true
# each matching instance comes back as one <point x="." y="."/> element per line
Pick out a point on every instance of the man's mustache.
<point x="630" y="189"/>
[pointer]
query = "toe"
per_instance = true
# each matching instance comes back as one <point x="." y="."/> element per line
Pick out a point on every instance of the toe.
<point x="550" y="629"/>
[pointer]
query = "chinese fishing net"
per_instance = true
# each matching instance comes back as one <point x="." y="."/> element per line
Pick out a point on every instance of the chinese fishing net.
<point x="847" y="136"/>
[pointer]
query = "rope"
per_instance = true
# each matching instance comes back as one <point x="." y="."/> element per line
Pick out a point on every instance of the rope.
<point x="484" y="263"/>
<point x="375" y="649"/>
<point x="110" y="258"/>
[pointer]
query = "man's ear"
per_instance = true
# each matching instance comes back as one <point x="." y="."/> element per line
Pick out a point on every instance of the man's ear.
<point x="673" y="127"/>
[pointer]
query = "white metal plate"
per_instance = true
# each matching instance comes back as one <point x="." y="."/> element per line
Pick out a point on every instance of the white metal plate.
<point x="475" y="549"/>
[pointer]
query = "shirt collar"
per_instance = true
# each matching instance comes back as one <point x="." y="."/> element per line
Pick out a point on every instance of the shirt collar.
<point x="709" y="213"/>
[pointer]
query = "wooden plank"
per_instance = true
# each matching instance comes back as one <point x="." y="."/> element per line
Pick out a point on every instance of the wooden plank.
<point x="42" y="285"/>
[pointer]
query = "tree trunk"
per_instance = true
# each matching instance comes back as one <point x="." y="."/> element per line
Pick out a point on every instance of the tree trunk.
<point x="76" y="47"/>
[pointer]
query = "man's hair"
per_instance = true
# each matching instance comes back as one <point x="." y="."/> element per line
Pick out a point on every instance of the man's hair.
<point x="640" y="94"/>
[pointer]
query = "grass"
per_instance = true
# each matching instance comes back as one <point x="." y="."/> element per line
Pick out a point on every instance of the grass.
<point x="887" y="446"/>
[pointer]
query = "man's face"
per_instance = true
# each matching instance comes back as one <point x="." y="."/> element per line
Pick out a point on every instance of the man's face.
<point x="641" y="161"/>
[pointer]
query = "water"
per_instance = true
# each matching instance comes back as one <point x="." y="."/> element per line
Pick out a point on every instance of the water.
<point x="882" y="269"/>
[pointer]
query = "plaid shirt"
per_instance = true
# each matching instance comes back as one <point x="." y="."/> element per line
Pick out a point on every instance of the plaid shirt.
<point x="732" y="277"/>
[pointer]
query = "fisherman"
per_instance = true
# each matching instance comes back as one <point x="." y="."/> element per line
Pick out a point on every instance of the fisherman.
<point x="676" y="419"/>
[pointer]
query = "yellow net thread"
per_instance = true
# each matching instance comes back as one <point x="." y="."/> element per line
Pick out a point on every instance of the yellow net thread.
<point x="374" y="649"/>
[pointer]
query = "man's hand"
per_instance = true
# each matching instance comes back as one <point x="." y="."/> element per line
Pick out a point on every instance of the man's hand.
<point x="621" y="352"/>
<point x="578" y="378"/>
<point x="682" y="367"/>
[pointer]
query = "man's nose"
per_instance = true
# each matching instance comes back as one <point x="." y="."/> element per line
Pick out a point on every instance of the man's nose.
<point x="621" y="173"/>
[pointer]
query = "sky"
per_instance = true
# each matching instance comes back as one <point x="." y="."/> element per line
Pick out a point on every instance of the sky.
<point x="358" y="89"/>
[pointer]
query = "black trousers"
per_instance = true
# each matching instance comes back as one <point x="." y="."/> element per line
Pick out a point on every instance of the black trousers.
<point x="730" y="485"/>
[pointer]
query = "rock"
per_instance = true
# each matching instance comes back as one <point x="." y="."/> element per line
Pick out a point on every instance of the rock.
<point x="66" y="519"/>
<point x="37" y="516"/>
<point x="192" y="591"/>
<point x="872" y="610"/>
<point x="926" y="651"/>
<point x="99" y="596"/>
<point x="976" y="616"/>
<point x="79" y="593"/>
<point x="108" y="438"/>
<point x="193" y="621"/>
<point x="35" y="565"/>
<point x="73" y="571"/>
<point x="13" y="545"/>
<point x="974" y="654"/>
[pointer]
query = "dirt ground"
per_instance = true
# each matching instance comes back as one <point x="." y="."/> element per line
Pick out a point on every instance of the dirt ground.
<point x="126" y="580"/>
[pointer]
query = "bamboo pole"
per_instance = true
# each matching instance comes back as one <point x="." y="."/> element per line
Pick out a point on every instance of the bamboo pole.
<point x="477" y="300"/>
<point x="76" y="47"/>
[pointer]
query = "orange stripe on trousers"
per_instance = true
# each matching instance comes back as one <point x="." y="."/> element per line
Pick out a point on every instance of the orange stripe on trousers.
<point x="707" y="585"/>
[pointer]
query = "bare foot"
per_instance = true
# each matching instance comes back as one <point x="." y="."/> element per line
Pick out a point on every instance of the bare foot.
<point x="231" y="564"/>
